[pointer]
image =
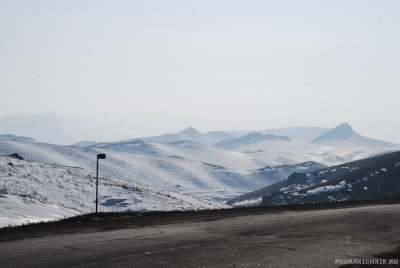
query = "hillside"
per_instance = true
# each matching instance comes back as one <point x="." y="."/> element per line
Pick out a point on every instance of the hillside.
<point x="189" y="150"/>
<point x="32" y="192"/>
<point x="173" y="173"/>
<point x="372" y="178"/>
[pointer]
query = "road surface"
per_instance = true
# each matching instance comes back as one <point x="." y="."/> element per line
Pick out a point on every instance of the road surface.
<point x="260" y="238"/>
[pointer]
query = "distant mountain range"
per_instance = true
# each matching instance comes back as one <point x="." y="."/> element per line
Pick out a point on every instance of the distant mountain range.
<point x="55" y="129"/>
<point x="191" y="134"/>
<point x="303" y="134"/>
<point x="48" y="128"/>
<point x="18" y="138"/>
<point x="44" y="127"/>
<point x="248" y="139"/>
<point x="52" y="128"/>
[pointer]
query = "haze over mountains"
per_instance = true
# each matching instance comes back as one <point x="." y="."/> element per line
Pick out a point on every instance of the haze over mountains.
<point x="55" y="129"/>
<point x="52" y="128"/>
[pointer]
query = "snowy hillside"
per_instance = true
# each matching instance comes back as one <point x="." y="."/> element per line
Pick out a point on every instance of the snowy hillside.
<point x="32" y="192"/>
<point x="172" y="173"/>
<point x="251" y="151"/>
<point x="189" y="150"/>
<point x="277" y="152"/>
<point x="189" y="167"/>
<point x="372" y="178"/>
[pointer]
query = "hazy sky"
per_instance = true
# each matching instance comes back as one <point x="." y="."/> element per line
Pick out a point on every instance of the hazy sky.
<point x="251" y="63"/>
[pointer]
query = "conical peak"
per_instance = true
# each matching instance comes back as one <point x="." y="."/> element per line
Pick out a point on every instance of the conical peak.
<point x="344" y="127"/>
<point x="189" y="130"/>
<point x="341" y="132"/>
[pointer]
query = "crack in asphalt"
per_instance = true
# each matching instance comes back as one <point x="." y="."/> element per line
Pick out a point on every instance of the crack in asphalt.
<point x="299" y="250"/>
<point x="133" y="253"/>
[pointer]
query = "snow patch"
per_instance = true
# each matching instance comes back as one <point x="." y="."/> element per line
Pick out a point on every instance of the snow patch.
<point x="248" y="203"/>
<point x="329" y="188"/>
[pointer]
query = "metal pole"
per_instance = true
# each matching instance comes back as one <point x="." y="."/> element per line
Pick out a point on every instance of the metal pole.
<point x="97" y="181"/>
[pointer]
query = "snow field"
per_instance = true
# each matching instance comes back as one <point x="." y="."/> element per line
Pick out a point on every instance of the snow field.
<point x="32" y="192"/>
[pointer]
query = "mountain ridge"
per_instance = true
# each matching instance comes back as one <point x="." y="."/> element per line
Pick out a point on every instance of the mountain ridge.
<point x="250" y="138"/>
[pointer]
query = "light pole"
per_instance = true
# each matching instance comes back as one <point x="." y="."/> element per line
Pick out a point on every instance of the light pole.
<point x="99" y="156"/>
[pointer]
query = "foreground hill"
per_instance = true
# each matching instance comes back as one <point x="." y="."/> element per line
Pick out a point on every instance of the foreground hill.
<point x="34" y="192"/>
<point x="372" y="178"/>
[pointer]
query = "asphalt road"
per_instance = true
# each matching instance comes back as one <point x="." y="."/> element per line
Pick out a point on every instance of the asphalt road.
<point x="259" y="238"/>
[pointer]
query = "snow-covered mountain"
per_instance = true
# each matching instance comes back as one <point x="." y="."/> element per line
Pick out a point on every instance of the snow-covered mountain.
<point x="32" y="192"/>
<point x="344" y="136"/>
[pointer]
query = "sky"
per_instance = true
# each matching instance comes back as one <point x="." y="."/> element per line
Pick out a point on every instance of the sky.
<point x="237" y="64"/>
